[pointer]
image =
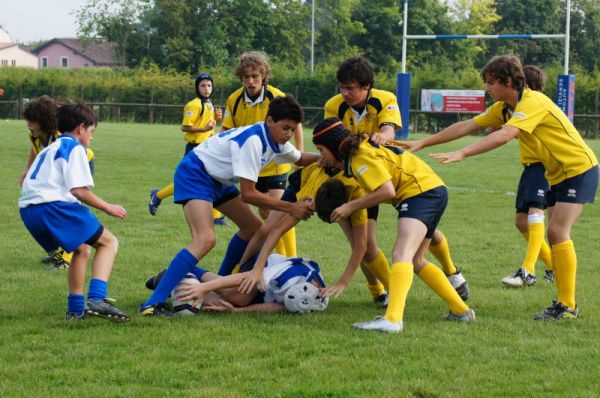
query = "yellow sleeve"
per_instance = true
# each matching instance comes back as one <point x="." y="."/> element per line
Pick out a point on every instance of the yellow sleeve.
<point x="390" y="113"/>
<point x="90" y="154"/>
<point x="368" y="171"/>
<point x="228" y="121"/>
<point x="527" y="115"/>
<point x="191" y="113"/>
<point x="330" y="109"/>
<point x="492" y="117"/>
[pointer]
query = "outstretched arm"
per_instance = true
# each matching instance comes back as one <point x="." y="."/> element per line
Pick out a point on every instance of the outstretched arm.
<point x="86" y="195"/>
<point x="301" y="209"/>
<point x="384" y="192"/>
<point x="450" y="133"/>
<point x="226" y="306"/>
<point x="486" y="144"/>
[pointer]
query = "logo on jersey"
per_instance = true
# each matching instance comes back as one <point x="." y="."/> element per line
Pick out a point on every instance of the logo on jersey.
<point x="541" y="193"/>
<point x="361" y="170"/>
<point x="403" y="207"/>
<point x="226" y="113"/>
<point x="520" y="115"/>
<point x="392" y="107"/>
<point x="189" y="113"/>
<point x="572" y="193"/>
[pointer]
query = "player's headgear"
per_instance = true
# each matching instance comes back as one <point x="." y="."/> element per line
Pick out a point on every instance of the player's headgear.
<point x="304" y="297"/>
<point x="199" y="78"/>
<point x="330" y="133"/>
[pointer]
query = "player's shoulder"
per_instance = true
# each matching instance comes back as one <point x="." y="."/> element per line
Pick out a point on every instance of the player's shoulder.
<point x="274" y="91"/>
<point x="335" y="101"/>
<point x="237" y="93"/>
<point x="382" y="95"/>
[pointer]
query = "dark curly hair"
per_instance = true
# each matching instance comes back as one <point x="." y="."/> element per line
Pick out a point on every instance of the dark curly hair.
<point x="356" y="69"/>
<point x="42" y="111"/>
<point x="254" y="60"/>
<point x="330" y="195"/>
<point x="72" y="115"/>
<point x="502" y="67"/>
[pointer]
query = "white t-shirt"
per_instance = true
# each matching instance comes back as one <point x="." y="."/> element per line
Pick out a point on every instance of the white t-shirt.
<point x="56" y="170"/>
<point x="277" y="281"/>
<point x="242" y="152"/>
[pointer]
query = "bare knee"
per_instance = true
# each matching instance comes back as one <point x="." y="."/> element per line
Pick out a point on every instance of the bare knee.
<point x="84" y="251"/>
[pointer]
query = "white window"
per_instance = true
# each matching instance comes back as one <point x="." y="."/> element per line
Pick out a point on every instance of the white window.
<point x="4" y="62"/>
<point x="64" y="62"/>
<point x="44" y="62"/>
<point x="13" y="62"/>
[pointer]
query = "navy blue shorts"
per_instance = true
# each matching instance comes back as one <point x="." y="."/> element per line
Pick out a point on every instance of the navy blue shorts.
<point x="265" y="184"/>
<point x="192" y="181"/>
<point x="579" y="189"/>
<point x="293" y="186"/>
<point x="188" y="147"/>
<point x="61" y="224"/>
<point x="427" y="207"/>
<point x="373" y="213"/>
<point x="533" y="188"/>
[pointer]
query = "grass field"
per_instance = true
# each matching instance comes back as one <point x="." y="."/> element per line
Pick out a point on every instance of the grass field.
<point x="503" y="353"/>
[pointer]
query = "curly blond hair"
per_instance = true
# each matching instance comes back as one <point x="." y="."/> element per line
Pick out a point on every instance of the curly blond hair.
<point x="253" y="60"/>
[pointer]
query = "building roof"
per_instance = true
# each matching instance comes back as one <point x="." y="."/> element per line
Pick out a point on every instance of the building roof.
<point x="100" y="53"/>
<point x="6" y="45"/>
<point x="4" y="37"/>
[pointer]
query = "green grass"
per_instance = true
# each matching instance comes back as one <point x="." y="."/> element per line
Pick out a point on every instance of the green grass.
<point x="503" y="353"/>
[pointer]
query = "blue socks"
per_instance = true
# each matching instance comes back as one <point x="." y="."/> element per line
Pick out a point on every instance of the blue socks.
<point x="76" y="304"/>
<point x="198" y="272"/>
<point x="182" y="263"/>
<point x="97" y="290"/>
<point x="233" y="255"/>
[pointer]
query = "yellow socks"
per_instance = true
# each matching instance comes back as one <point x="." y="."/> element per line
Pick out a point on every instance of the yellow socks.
<point x="380" y="268"/>
<point x="289" y="242"/>
<point x="217" y="214"/>
<point x="565" y="271"/>
<point x="401" y="277"/>
<point x="437" y="281"/>
<point x="67" y="256"/>
<point x="376" y="290"/>
<point x="166" y="191"/>
<point x="441" y="251"/>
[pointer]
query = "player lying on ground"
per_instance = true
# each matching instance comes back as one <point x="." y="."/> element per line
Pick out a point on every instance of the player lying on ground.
<point x="50" y="208"/>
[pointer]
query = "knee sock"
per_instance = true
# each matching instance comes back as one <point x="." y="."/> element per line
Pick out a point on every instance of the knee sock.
<point x="546" y="255"/>
<point x="97" y="290"/>
<point x="564" y="260"/>
<point x="535" y="238"/>
<point x="198" y="272"/>
<point x="380" y="268"/>
<point x="166" y="191"/>
<point x="376" y="290"/>
<point x="233" y="255"/>
<point x="401" y="276"/>
<point x="289" y="242"/>
<point x="437" y="281"/>
<point x="280" y="247"/>
<point x="67" y="256"/>
<point x="182" y="263"/>
<point x="441" y="251"/>
<point x="76" y="304"/>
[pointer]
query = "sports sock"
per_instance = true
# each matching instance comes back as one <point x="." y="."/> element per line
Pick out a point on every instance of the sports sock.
<point x="280" y="247"/>
<point x="441" y="251"/>
<point x="217" y="214"/>
<point x="380" y="268"/>
<point x="198" y="272"/>
<point x="182" y="263"/>
<point x="97" y="290"/>
<point x="166" y="191"/>
<point x="76" y="304"/>
<point x="401" y="277"/>
<point x="289" y="242"/>
<point x="67" y="256"/>
<point x="546" y="255"/>
<point x="535" y="237"/>
<point x="376" y="290"/>
<point x="233" y="255"/>
<point x="438" y="282"/>
<point x="564" y="259"/>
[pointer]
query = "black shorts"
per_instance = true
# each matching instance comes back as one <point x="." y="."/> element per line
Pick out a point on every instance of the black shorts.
<point x="579" y="189"/>
<point x="533" y="188"/>
<point x="373" y="212"/>
<point x="265" y="184"/>
<point x="427" y="207"/>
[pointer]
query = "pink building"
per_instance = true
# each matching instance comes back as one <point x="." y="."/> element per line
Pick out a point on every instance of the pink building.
<point x="71" y="53"/>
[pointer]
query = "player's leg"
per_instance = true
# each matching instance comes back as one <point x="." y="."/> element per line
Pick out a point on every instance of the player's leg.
<point x="441" y="251"/>
<point x="274" y="219"/>
<point x="242" y="216"/>
<point x="76" y="282"/>
<point x="157" y="196"/>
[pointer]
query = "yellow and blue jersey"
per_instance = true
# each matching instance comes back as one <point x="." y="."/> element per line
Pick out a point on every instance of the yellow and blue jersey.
<point x="546" y="132"/>
<point x="198" y="113"/>
<point x="381" y="108"/>
<point x="241" y="111"/>
<point x="372" y="165"/>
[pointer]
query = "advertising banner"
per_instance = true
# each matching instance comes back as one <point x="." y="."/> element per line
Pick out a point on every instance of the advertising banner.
<point x="452" y="100"/>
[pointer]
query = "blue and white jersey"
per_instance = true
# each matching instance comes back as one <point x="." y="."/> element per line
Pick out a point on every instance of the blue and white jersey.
<point x="56" y="170"/>
<point x="242" y="152"/>
<point x="282" y="272"/>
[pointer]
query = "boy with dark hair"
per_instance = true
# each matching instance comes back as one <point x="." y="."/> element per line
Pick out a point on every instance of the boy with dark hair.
<point x="206" y="178"/>
<point x="544" y="131"/>
<point x="50" y="208"/>
<point x="249" y="105"/>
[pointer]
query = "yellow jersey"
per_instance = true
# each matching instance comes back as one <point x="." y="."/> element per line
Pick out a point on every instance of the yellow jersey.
<point x="381" y="108"/>
<point x="242" y="111"/>
<point x="313" y="176"/>
<point x="198" y="113"/>
<point x="372" y="165"/>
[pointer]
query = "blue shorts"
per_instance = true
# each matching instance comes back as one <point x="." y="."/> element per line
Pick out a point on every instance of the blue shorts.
<point x="61" y="224"/>
<point x="293" y="187"/>
<point x="192" y="181"/>
<point x="427" y="207"/>
<point x="265" y="184"/>
<point x="533" y="188"/>
<point x="578" y="189"/>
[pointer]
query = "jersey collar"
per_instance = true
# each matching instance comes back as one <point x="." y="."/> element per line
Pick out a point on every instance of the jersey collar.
<point x="267" y="137"/>
<point x="258" y="100"/>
